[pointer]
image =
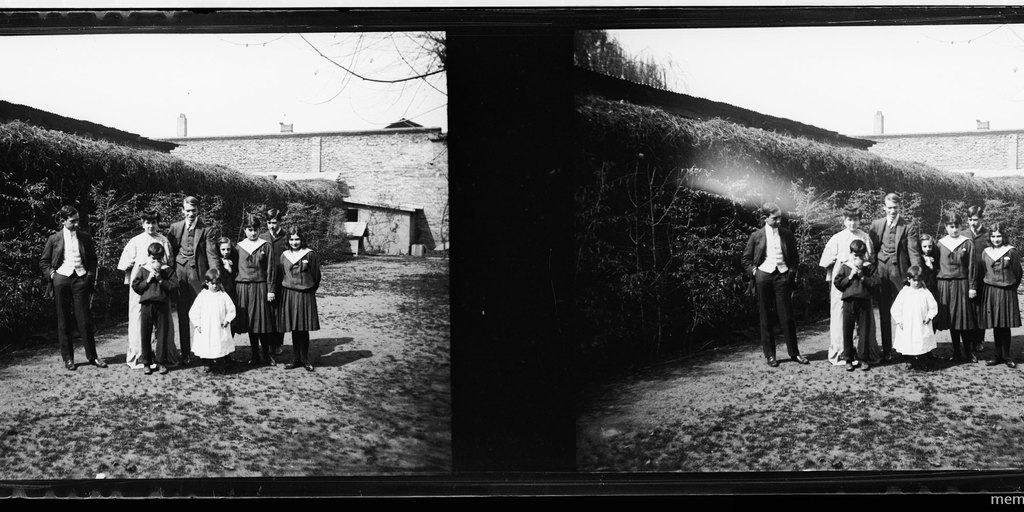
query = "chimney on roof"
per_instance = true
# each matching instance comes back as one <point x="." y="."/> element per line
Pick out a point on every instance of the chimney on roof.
<point x="879" y="123"/>
<point x="182" y="126"/>
<point x="286" y="128"/>
<point x="982" y="125"/>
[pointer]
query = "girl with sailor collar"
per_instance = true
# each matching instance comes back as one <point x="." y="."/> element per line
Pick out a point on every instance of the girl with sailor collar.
<point x="256" y="270"/>
<point x="300" y="278"/>
<point x="957" y="278"/>
<point x="1000" y="265"/>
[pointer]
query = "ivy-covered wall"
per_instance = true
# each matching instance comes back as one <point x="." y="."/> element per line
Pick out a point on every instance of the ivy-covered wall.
<point x="43" y="170"/>
<point x="665" y="204"/>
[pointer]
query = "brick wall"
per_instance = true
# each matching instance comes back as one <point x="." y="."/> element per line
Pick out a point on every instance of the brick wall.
<point x="985" y="153"/>
<point x="397" y="167"/>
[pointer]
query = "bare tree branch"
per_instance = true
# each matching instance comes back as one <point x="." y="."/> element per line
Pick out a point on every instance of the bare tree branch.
<point x="367" y="79"/>
<point x="400" y="55"/>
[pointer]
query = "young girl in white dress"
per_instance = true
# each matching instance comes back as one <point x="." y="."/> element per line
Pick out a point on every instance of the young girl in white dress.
<point x="912" y="314"/>
<point x="212" y="313"/>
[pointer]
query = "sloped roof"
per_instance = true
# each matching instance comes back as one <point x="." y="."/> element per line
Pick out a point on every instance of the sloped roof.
<point x="611" y="88"/>
<point x="356" y="229"/>
<point x="403" y="123"/>
<point x="50" y="121"/>
<point x="410" y="208"/>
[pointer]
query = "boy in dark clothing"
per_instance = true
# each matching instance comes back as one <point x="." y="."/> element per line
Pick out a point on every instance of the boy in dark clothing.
<point x="857" y="280"/>
<point x="154" y="283"/>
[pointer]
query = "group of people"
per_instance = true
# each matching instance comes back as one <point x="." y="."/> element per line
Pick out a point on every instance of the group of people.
<point x="263" y="285"/>
<point x="965" y="282"/>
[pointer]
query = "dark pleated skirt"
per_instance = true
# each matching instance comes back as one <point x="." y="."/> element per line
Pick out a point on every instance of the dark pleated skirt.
<point x="955" y="308"/>
<point x="979" y="308"/>
<point x="275" y="314"/>
<point x="298" y="311"/>
<point x="1001" y="308"/>
<point x="252" y="308"/>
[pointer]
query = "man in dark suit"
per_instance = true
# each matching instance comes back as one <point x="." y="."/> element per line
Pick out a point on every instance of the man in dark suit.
<point x="195" y="249"/>
<point x="976" y="231"/>
<point x="898" y="247"/>
<point x="279" y="242"/>
<point x="771" y="259"/>
<point x="69" y="265"/>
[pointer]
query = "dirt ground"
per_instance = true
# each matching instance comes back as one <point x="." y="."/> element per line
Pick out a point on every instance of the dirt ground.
<point x="726" y="410"/>
<point x="378" y="402"/>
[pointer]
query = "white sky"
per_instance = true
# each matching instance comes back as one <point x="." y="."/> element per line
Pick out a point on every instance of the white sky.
<point x="923" y="79"/>
<point x="225" y="84"/>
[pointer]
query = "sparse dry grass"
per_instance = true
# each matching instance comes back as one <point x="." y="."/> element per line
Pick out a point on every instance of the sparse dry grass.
<point x="378" y="402"/>
<point x="727" y="411"/>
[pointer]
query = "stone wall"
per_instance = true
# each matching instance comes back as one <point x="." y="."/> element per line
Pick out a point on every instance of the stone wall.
<point x="405" y="167"/>
<point x="984" y="152"/>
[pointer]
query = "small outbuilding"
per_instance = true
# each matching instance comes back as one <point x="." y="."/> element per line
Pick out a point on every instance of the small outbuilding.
<point x="383" y="229"/>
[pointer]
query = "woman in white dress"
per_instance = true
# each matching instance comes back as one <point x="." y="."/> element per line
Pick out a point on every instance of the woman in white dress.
<point x="134" y="255"/>
<point x="837" y="252"/>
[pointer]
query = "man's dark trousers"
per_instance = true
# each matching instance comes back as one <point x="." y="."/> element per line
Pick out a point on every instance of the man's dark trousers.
<point x="892" y="283"/>
<point x="72" y="294"/>
<point x="775" y="286"/>
<point x="189" y="286"/>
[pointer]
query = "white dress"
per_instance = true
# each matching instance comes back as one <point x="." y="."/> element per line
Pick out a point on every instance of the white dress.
<point x="134" y="255"/>
<point x="911" y="308"/>
<point x="209" y="313"/>
<point x="837" y="252"/>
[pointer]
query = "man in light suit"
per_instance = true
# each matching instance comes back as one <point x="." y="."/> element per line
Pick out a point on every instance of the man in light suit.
<point x="897" y="245"/>
<point x="195" y="249"/>
<point x="69" y="266"/>
<point x="771" y="259"/>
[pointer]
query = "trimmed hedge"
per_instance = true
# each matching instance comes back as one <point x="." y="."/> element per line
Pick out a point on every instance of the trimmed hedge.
<point x="665" y="204"/>
<point x="42" y="170"/>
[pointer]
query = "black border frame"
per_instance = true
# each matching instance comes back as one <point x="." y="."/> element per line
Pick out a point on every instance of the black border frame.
<point x="510" y="111"/>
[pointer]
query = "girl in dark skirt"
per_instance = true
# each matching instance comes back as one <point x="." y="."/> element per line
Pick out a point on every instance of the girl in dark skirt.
<point x="957" y="286"/>
<point x="255" y="270"/>
<point x="1002" y="274"/>
<point x="300" y="278"/>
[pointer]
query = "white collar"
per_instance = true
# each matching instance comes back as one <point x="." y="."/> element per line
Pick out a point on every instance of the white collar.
<point x="185" y="225"/>
<point x="995" y="254"/>
<point x="849" y="263"/>
<point x="250" y="246"/>
<point x="297" y="255"/>
<point x="68" y="233"/>
<point x="952" y="243"/>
